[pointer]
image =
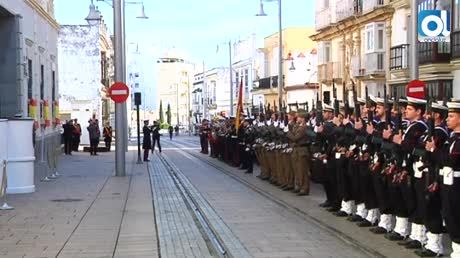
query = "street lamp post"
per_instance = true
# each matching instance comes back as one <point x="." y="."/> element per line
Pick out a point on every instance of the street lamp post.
<point x="413" y="41"/>
<point x="280" y="49"/>
<point x="121" y="121"/>
<point x="120" y="158"/>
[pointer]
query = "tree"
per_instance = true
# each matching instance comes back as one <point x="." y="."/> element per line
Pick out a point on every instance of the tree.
<point x="168" y="115"/>
<point x="162" y="119"/>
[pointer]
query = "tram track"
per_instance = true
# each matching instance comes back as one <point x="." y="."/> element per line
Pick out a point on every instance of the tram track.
<point x="182" y="147"/>
<point x="215" y="245"/>
<point x="194" y="208"/>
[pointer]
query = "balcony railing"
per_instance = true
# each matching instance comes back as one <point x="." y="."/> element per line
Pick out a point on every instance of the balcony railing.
<point x="265" y="83"/>
<point x="375" y="63"/>
<point x="329" y="71"/>
<point x="323" y="19"/>
<point x="348" y="8"/>
<point x="356" y="66"/>
<point x="434" y="53"/>
<point x="322" y="72"/>
<point x="369" y="5"/>
<point x="455" y="41"/>
<point x="399" y="57"/>
<point x="337" y="71"/>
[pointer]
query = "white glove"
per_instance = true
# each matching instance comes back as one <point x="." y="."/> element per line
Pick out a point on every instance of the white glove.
<point x="286" y="129"/>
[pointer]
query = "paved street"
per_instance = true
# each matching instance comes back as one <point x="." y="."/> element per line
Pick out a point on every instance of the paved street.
<point x="182" y="204"/>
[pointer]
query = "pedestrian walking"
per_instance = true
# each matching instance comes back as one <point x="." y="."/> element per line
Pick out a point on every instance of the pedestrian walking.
<point x="176" y="129"/>
<point x="94" y="135"/>
<point x="76" y="135"/>
<point x="68" y="137"/>
<point x="156" y="136"/>
<point x="146" y="141"/>
<point x="107" y="136"/>
<point x="170" y="129"/>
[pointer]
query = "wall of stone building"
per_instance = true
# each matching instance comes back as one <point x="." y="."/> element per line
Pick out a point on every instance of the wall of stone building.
<point x="30" y="34"/>
<point x="80" y="74"/>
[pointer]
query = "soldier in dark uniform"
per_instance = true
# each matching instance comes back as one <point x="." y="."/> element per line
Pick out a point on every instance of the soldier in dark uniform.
<point x="146" y="141"/>
<point x="247" y="154"/>
<point x="430" y="165"/>
<point x="406" y="179"/>
<point x="325" y="135"/>
<point x="203" y="132"/>
<point x="450" y="174"/>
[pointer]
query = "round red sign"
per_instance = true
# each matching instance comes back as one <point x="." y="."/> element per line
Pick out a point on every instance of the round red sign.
<point x="119" y="92"/>
<point x="416" y="89"/>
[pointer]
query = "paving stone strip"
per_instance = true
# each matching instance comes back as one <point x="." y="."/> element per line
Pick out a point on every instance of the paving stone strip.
<point x="226" y="236"/>
<point x="178" y="234"/>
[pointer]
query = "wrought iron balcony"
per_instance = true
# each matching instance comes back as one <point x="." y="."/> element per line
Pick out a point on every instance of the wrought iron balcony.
<point x="268" y="82"/>
<point x="399" y="57"/>
<point x="455" y="41"/>
<point x="430" y="53"/>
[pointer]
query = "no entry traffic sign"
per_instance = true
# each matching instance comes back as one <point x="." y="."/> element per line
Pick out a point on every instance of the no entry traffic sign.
<point x="416" y="89"/>
<point x="119" y="92"/>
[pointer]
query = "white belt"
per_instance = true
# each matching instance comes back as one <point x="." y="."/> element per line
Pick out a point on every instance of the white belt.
<point x="456" y="173"/>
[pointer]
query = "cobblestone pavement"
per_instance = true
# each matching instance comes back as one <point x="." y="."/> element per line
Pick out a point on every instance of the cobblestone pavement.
<point x="85" y="213"/>
<point x="264" y="227"/>
<point x="90" y="213"/>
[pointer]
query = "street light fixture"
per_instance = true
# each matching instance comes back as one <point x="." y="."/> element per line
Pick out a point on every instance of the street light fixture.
<point x="142" y="15"/>
<point x="280" y="49"/>
<point x="94" y="16"/>
<point x="261" y="10"/>
<point x="120" y="76"/>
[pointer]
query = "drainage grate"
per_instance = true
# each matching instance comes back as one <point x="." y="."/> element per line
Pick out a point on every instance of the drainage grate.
<point x="67" y="200"/>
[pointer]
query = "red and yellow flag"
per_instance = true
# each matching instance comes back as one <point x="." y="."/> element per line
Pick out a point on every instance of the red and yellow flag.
<point x="239" y="107"/>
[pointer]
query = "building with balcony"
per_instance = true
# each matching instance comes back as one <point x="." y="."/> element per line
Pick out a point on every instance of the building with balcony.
<point x="438" y="66"/>
<point x="300" y="70"/>
<point x="368" y="41"/>
<point x="353" y="45"/>
<point x="211" y="93"/>
<point x="244" y="51"/>
<point x="174" y="85"/>
<point x="83" y="94"/>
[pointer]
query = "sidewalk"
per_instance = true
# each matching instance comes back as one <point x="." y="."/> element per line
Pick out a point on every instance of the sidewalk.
<point x="87" y="212"/>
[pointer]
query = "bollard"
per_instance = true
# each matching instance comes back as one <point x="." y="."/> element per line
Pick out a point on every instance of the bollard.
<point x="20" y="156"/>
<point x="55" y="150"/>
<point x="3" y="186"/>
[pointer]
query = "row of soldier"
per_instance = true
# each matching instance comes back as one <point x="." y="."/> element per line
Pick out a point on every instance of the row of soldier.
<point x="391" y="165"/>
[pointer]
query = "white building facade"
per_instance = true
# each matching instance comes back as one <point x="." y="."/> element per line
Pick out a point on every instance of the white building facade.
<point x="84" y="55"/>
<point x="28" y="63"/>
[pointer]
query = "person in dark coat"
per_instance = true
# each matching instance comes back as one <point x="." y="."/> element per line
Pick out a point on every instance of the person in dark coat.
<point x="76" y="135"/>
<point x="171" y="129"/>
<point x="146" y="142"/>
<point x="107" y="136"/>
<point x="156" y="136"/>
<point x="68" y="137"/>
<point x="176" y="129"/>
<point x="94" y="135"/>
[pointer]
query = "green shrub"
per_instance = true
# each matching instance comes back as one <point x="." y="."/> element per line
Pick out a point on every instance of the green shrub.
<point x="164" y="126"/>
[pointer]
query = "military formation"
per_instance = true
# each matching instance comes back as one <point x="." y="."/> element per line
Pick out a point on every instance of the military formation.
<point x="389" y="164"/>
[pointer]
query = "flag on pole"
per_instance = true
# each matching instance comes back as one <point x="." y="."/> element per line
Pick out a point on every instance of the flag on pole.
<point x="239" y="107"/>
